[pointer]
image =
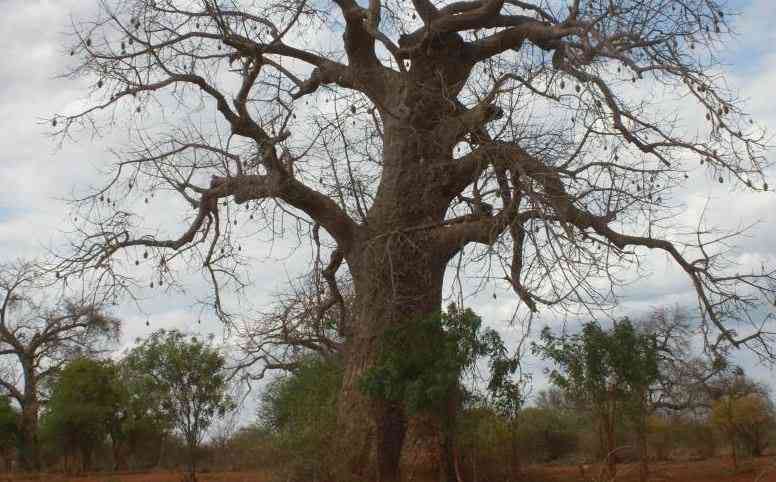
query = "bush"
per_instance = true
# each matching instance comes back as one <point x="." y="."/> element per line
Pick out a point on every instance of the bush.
<point x="84" y="403"/>
<point x="660" y="437"/>
<point x="299" y="412"/>
<point x="484" y="444"/>
<point x="251" y="448"/>
<point x="7" y="431"/>
<point x="745" y="420"/>
<point x="547" y="435"/>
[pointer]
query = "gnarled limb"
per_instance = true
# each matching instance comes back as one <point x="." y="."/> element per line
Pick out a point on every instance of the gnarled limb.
<point x="715" y="291"/>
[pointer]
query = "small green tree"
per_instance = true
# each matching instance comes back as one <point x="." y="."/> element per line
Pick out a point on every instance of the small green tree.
<point x="143" y="425"/>
<point x="507" y="393"/>
<point x="86" y="398"/>
<point x="8" y="430"/>
<point x="188" y="377"/>
<point x="299" y="410"/>
<point x="609" y="371"/>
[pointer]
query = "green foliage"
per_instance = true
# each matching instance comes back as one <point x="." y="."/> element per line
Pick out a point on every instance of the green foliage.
<point x="85" y="401"/>
<point x="142" y="424"/>
<point x="299" y="411"/>
<point x="186" y="377"/>
<point x="609" y="372"/>
<point x="8" y="420"/>
<point x="145" y="397"/>
<point x="421" y="362"/>
<point x="596" y="364"/>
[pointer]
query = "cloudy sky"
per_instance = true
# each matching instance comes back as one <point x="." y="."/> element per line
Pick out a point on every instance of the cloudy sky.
<point x="37" y="174"/>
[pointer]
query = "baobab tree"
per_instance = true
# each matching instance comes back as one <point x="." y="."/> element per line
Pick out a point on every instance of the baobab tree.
<point x="405" y="138"/>
<point x="40" y="337"/>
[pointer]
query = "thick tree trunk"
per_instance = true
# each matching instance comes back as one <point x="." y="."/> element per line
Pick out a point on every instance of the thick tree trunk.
<point x="29" y="452"/>
<point x="397" y="271"/>
<point x="28" y="437"/>
<point x="374" y="432"/>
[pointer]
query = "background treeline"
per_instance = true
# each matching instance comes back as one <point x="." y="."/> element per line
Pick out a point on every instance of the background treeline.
<point x="150" y="408"/>
<point x="295" y="420"/>
<point x="291" y="435"/>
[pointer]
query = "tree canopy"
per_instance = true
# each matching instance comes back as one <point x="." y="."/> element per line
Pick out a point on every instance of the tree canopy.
<point x="85" y="406"/>
<point x="189" y="376"/>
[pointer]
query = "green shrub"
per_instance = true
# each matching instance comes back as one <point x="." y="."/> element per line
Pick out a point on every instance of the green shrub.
<point x="84" y="402"/>
<point x="8" y="432"/>
<point x="299" y="412"/>
<point x="484" y="440"/>
<point x="547" y="435"/>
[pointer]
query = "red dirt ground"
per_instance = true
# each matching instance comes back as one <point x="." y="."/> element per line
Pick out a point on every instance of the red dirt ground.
<point x="715" y="470"/>
<point x="140" y="477"/>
